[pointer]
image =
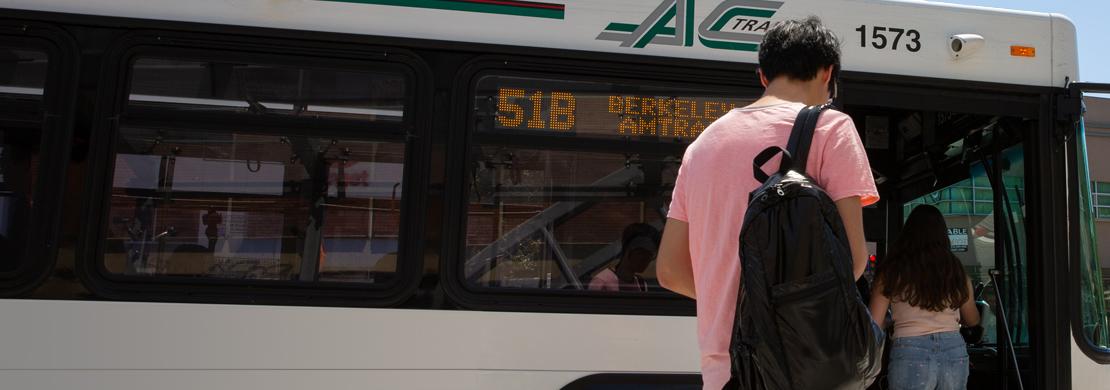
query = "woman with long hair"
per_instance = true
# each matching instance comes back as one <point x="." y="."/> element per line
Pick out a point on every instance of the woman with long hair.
<point x="929" y="295"/>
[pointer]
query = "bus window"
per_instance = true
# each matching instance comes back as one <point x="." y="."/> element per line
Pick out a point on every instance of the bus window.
<point x="976" y="235"/>
<point x="562" y="210"/>
<point x="1015" y="265"/>
<point x="222" y="197"/>
<point x="1094" y="225"/>
<point x="968" y="208"/>
<point x="196" y="86"/>
<point x="22" y="82"/>
<point x="570" y="180"/>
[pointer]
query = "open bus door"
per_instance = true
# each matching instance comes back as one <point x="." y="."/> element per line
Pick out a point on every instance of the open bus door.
<point x="971" y="163"/>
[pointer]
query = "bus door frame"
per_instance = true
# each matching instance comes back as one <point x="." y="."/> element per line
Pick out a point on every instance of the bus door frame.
<point x="1069" y="115"/>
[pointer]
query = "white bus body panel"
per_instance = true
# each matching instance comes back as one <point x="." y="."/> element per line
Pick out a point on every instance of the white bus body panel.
<point x="585" y="20"/>
<point x="120" y="345"/>
<point x="125" y="345"/>
<point x="1065" y="49"/>
<point x="1086" y="373"/>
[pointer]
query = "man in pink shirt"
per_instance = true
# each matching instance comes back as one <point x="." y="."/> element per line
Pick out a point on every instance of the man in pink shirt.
<point x="699" y="254"/>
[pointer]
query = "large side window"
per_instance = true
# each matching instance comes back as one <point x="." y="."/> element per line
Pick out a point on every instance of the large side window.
<point x="278" y="170"/>
<point x="23" y="73"/>
<point x="35" y="106"/>
<point x="570" y="180"/>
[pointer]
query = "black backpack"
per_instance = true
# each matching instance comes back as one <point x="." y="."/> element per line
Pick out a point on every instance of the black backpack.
<point x="800" y="321"/>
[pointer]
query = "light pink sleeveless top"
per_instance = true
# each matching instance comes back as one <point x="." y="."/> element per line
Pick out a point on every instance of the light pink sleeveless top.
<point x="912" y="321"/>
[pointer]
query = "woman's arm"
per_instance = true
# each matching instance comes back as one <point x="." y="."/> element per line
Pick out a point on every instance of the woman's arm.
<point x="969" y="314"/>
<point x="879" y="305"/>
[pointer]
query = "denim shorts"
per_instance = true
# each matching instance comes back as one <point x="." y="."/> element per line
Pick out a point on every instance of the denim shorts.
<point x="933" y="361"/>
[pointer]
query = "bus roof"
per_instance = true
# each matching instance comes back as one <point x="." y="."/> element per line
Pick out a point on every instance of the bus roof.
<point x="890" y="37"/>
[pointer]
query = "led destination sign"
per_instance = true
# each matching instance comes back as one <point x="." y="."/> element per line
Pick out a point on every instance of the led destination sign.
<point x="600" y="109"/>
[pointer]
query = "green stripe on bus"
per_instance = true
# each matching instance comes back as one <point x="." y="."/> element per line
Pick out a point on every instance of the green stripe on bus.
<point x="657" y="27"/>
<point x="732" y="13"/>
<point x="689" y="33"/>
<point x="621" y="27"/>
<point x="466" y="7"/>
<point x="740" y="46"/>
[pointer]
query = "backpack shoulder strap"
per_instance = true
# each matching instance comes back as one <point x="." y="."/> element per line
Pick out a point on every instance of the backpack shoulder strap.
<point x="765" y="156"/>
<point x="801" y="137"/>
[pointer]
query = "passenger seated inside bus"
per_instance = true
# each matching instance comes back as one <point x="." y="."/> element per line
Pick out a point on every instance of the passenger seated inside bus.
<point x="639" y="246"/>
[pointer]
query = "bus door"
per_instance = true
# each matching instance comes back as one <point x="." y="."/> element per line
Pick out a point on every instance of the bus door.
<point x="1086" y="120"/>
<point x="984" y="204"/>
<point x="971" y="166"/>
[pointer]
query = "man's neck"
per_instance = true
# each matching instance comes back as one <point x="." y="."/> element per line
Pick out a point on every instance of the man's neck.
<point x="784" y="90"/>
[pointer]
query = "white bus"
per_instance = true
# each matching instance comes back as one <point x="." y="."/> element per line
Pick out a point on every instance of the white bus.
<point x="450" y="194"/>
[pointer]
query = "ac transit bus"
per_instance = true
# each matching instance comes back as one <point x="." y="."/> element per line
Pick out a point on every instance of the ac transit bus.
<point x="444" y="194"/>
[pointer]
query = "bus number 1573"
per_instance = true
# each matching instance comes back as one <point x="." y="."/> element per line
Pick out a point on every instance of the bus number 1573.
<point x="892" y="37"/>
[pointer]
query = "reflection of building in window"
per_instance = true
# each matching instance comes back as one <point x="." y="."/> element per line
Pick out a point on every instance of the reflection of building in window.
<point x="198" y="201"/>
<point x="199" y="212"/>
<point x="968" y="207"/>
<point x="554" y="219"/>
<point x="969" y="197"/>
<point x="1101" y="199"/>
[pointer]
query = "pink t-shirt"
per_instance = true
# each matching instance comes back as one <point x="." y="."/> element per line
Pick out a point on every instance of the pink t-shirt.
<point x="711" y="195"/>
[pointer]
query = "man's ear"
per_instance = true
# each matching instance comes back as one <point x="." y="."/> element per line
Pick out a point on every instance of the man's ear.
<point x="828" y="74"/>
<point x="762" y="78"/>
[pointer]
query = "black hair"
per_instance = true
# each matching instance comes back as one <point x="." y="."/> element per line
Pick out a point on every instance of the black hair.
<point x="639" y="229"/>
<point x="798" y="49"/>
<point x="920" y="269"/>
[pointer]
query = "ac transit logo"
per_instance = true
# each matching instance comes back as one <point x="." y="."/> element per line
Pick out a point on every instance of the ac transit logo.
<point x="733" y="25"/>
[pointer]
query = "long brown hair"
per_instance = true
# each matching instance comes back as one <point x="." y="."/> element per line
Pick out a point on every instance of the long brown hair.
<point x="920" y="269"/>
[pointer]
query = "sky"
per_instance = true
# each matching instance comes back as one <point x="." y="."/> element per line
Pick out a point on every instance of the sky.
<point x="1092" y="21"/>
